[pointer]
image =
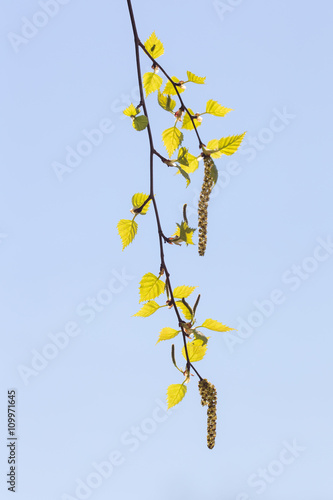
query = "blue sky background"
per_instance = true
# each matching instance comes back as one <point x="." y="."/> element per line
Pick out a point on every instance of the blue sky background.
<point x="59" y="248"/>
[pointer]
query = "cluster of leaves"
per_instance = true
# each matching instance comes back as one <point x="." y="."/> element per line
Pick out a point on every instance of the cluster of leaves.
<point x="158" y="286"/>
<point x="172" y="137"/>
<point x="151" y="287"/>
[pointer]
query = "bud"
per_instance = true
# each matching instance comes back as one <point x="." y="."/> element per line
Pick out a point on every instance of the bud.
<point x="155" y="68"/>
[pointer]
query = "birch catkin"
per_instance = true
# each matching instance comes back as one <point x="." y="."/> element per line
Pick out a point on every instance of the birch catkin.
<point x="206" y="189"/>
<point x="209" y="398"/>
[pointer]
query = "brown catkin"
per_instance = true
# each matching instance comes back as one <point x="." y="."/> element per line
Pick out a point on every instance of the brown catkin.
<point x="206" y="189"/>
<point x="209" y="398"/>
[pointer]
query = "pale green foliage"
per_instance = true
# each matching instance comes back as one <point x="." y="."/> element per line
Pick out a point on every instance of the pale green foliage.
<point x="127" y="230"/>
<point x="211" y="324"/>
<point x="214" y="108"/>
<point x="140" y="122"/>
<point x="196" y="350"/>
<point x="172" y="139"/>
<point x="183" y="291"/>
<point x="187" y="122"/>
<point x="150" y="287"/>
<point x="175" y="394"/>
<point x="185" y="233"/>
<point x="138" y="200"/>
<point x="226" y="145"/>
<point x="147" y="309"/>
<point x="170" y="89"/>
<point x="151" y="82"/>
<point x="154" y="46"/>
<point x="153" y="285"/>
<point x="184" y="310"/>
<point x="195" y="79"/>
<point x="167" y="334"/>
<point x="131" y="111"/>
<point x="166" y="102"/>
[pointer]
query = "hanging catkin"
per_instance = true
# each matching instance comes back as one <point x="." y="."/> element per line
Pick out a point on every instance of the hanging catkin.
<point x="206" y="189"/>
<point x="209" y="398"/>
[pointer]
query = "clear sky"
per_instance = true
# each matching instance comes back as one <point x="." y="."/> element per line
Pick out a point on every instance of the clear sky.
<point x="91" y="419"/>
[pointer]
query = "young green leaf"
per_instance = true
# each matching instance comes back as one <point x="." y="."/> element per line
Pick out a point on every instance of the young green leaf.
<point x="184" y="174"/>
<point x="226" y="145"/>
<point x="166" y="102"/>
<point x="127" y="230"/>
<point x="214" y="108"/>
<point x="150" y="287"/>
<point x="185" y="233"/>
<point x="182" y="156"/>
<point x="138" y="200"/>
<point x="184" y="309"/>
<point x="169" y="88"/>
<point x="131" y="111"/>
<point x="195" y="79"/>
<point x="172" y="139"/>
<point x="214" y="173"/>
<point x="211" y="324"/>
<point x="154" y="46"/>
<point x="140" y="122"/>
<point x="147" y="309"/>
<point x="199" y="336"/>
<point x="229" y="145"/>
<point x="184" y="291"/>
<point x="175" y="394"/>
<point x="167" y="334"/>
<point x="187" y="122"/>
<point x="196" y="350"/>
<point x="151" y="82"/>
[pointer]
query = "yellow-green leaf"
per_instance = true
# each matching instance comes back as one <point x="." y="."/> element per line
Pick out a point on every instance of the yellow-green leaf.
<point x="138" y="200"/>
<point x="211" y="324"/>
<point x="140" y="122"/>
<point x="172" y="138"/>
<point x="193" y="163"/>
<point x="131" y="111"/>
<point x="147" y="309"/>
<point x="154" y="46"/>
<point x="167" y="334"/>
<point x="196" y="350"/>
<point x="150" y="287"/>
<point x="187" y="122"/>
<point x="214" y="108"/>
<point x="226" y="145"/>
<point x="185" y="233"/>
<point x="151" y="82"/>
<point x="169" y="88"/>
<point x="229" y="145"/>
<point x="166" y="102"/>
<point x="184" y="310"/>
<point x="175" y="394"/>
<point x="194" y="78"/>
<point x="184" y="291"/>
<point x="127" y="230"/>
